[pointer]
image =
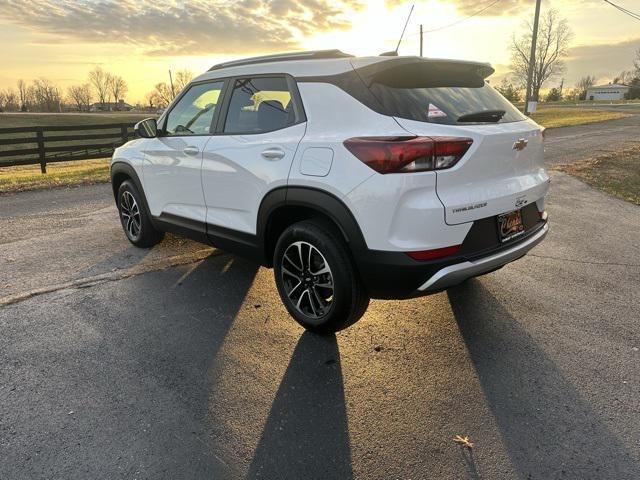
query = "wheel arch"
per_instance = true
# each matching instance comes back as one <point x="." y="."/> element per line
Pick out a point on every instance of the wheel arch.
<point x="287" y="205"/>
<point x="122" y="171"/>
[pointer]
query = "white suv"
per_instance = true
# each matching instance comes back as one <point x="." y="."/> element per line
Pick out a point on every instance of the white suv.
<point x="354" y="178"/>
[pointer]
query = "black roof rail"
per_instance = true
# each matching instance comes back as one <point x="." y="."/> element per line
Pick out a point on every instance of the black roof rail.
<point x="282" y="57"/>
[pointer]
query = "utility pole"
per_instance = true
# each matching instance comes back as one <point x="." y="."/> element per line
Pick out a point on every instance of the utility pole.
<point x="420" y="39"/>
<point x="561" y="86"/>
<point x="532" y="57"/>
<point x="173" y="93"/>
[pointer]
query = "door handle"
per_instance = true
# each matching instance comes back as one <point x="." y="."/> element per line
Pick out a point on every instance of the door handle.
<point x="193" y="151"/>
<point x="273" y="153"/>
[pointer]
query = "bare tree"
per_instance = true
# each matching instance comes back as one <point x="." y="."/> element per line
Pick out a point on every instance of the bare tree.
<point x="552" y="47"/>
<point x="99" y="80"/>
<point x="9" y="101"/>
<point x="118" y="88"/>
<point x="46" y="95"/>
<point x="183" y="77"/>
<point x="23" y="92"/>
<point x="80" y="95"/>
<point x="152" y="99"/>
<point x="625" y="77"/>
<point x="162" y="95"/>
<point x="583" y="85"/>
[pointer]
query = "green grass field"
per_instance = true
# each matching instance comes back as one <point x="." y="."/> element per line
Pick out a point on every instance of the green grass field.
<point x="18" y="179"/>
<point x="551" y="117"/>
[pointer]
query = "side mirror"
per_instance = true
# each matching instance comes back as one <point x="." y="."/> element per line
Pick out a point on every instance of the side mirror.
<point x="147" y="128"/>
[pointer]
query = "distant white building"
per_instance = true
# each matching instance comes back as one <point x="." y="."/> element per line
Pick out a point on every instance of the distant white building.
<point x="613" y="91"/>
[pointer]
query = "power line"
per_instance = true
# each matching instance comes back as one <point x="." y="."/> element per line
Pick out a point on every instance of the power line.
<point x="474" y="14"/>
<point x="624" y="10"/>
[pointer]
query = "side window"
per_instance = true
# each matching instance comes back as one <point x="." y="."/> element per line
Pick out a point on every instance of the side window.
<point x="259" y="105"/>
<point x="193" y="113"/>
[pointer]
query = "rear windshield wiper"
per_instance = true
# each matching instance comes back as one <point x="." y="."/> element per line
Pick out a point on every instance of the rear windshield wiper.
<point x="484" y="116"/>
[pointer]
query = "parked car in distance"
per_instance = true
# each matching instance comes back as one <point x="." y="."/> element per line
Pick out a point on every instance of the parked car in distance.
<point x="353" y="178"/>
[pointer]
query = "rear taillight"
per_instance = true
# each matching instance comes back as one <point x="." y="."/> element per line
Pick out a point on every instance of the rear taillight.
<point x="408" y="154"/>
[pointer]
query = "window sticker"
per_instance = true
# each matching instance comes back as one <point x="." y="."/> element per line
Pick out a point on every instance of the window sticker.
<point x="435" y="112"/>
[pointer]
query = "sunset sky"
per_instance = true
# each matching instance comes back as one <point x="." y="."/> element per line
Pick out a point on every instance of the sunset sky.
<point x="140" y="40"/>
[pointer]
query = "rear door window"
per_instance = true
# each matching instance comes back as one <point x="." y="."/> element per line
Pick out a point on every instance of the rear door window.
<point x="259" y="105"/>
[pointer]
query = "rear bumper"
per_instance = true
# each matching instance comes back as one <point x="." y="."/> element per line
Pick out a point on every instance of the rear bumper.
<point x="394" y="275"/>
<point x="454" y="274"/>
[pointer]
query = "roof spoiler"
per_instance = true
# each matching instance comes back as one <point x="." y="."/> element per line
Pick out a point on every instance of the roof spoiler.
<point x="416" y="72"/>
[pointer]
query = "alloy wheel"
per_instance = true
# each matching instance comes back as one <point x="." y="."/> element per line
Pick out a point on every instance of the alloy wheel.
<point x="130" y="214"/>
<point x="307" y="279"/>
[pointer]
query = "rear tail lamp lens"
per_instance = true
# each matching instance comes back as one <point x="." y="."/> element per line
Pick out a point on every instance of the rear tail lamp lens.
<point x="408" y="154"/>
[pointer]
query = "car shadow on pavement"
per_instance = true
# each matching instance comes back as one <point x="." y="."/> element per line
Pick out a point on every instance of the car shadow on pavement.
<point x="306" y="433"/>
<point x="177" y="321"/>
<point x="548" y="428"/>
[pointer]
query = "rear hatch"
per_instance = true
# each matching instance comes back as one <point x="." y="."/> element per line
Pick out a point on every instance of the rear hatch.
<point x="504" y="168"/>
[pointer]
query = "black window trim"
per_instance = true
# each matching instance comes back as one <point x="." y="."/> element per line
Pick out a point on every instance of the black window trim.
<point x="165" y="116"/>
<point x="217" y="125"/>
<point x="298" y="109"/>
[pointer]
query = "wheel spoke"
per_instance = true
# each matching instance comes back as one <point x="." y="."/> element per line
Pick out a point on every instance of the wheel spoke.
<point x="291" y="292"/>
<point x="320" y="300"/>
<point x="299" y="268"/>
<point x="299" y="245"/>
<point x="291" y="274"/>
<point x="310" y="297"/>
<point x="300" y="299"/>
<point x="323" y="270"/>
<point x="309" y="263"/>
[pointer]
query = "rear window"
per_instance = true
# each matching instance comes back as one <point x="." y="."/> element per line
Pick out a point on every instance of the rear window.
<point x="443" y="104"/>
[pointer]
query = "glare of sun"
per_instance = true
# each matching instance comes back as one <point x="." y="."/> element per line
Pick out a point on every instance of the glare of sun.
<point x="377" y="28"/>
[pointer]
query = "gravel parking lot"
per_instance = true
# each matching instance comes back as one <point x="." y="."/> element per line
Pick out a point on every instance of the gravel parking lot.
<point x="181" y="362"/>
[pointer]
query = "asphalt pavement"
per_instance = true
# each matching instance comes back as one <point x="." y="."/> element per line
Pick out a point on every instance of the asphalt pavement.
<point x="181" y="362"/>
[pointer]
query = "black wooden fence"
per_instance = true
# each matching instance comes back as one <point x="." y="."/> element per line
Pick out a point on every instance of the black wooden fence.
<point x="42" y="145"/>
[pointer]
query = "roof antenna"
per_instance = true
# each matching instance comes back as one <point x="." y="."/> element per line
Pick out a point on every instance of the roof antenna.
<point x="394" y="53"/>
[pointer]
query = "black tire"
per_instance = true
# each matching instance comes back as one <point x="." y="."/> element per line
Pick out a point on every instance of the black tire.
<point x="330" y="309"/>
<point x="135" y="218"/>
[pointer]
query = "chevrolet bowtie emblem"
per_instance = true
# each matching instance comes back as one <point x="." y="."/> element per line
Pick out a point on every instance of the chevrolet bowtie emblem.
<point x="520" y="144"/>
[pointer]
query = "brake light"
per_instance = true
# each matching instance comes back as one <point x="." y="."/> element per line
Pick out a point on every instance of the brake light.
<point x="408" y="154"/>
<point x="435" y="253"/>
